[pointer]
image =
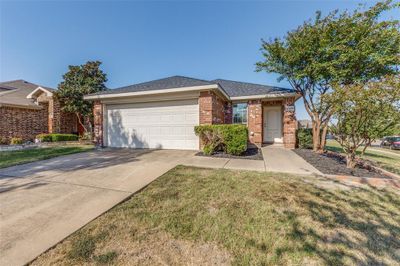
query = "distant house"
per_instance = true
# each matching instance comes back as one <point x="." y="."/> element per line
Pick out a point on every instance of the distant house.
<point x="305" y="123"/>
<point x="27" y="109"/>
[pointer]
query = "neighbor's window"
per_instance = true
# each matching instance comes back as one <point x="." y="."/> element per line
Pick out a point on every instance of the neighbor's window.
<point x="239" y="113"/>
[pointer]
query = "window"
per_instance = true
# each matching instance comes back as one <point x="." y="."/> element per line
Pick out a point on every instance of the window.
<point x="239" y="113"/>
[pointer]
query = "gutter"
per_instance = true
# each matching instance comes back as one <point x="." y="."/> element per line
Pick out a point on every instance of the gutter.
<point x="265" y="96"/>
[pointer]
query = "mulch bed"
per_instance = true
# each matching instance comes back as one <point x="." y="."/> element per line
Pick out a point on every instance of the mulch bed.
<point x="249" y="154"/>
<point x="334" y="164"/>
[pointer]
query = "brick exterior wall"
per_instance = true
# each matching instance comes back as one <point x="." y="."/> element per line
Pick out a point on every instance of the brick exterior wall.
<point x="27" y="123"/>
<point x="68" y="123"/>
<point x="289" y="125"/>
<point x="98" y="123"/>
<point x="23" y="123"/>
<point x="212" y="108"/>
<point x="255" y="121"/>
<point x="228" y="113"/>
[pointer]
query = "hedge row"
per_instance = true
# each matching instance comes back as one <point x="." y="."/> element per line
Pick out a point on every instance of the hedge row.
<point x="232" y="139"/>
<point x="56" y="137"/>
<point x="305" y="138"/>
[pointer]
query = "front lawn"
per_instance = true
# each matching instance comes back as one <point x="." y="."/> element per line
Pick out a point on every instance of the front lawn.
<point x="197" y="216"/>
<point x="384" y="158"/>
<point x="10" y="158"/>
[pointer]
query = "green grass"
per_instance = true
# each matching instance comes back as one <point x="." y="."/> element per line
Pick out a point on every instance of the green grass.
<point x="381" y="157"/>
<point x="10" y="158"/>
<point x="222" y="217"/>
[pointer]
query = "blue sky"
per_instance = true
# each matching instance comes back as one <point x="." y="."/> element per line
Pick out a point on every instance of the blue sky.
<point x="141" y="41"/>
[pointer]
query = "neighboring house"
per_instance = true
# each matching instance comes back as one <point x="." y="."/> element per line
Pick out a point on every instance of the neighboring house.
<point x="162" y="113"/>
<point x="305" y="123"/>
<point x="27" y="109"/>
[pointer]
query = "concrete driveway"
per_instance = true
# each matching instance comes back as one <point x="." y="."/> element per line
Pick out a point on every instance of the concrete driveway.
<point x="43" y="202"/>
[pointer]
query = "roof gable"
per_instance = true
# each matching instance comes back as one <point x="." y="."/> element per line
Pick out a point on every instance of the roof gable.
<point x="16" y="92"/>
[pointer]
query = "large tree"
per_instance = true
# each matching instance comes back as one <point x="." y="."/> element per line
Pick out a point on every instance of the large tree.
<point x="77" y="82"/>
<point x="363" y="113"/>
<point x="341" y="48"/>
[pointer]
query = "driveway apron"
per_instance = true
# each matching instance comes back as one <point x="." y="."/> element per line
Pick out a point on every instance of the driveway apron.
<point x="43" y="202"/>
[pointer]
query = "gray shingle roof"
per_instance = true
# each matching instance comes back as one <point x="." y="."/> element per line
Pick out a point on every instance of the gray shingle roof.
<point x="159" y="84"/>
<point x="237" y="88"/>
<point x="232" y="88"/>
<point x="15" y="92"/>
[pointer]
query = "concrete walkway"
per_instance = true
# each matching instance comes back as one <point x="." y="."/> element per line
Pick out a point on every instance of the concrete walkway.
<point x="276" y="159"/>
<point x="279" y="159"/>
<point x="43" y="202"/>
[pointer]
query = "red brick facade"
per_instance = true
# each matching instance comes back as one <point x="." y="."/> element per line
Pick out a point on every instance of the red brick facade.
<point x="255" y="121"/>
<point x="213" y="109"/>
<point x="26" y="123"/>
<point x="22" y="123"/>
<point x="289" y="125"/>
<point x="228" y="113"/>
<point x="98" y="123"/>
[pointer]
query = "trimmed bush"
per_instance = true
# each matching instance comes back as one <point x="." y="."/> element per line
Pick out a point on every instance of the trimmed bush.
<point x="4" y="141"/>
<point x="232" y="139"/>
<point x="44" y="137"/>
<point x="56" y="137"/>
<point x="305" y="138"/>
<point x="16" y="141"/>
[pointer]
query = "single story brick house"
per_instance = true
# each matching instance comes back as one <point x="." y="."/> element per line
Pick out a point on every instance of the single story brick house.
<point x="162" y="113"/>
<point x="27" y="109"/>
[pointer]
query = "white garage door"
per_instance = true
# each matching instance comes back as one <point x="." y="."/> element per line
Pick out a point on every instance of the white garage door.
<point x="160" y="125"/>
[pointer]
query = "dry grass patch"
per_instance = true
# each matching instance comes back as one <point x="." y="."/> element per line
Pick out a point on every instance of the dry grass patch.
<point x="193" y="216"/>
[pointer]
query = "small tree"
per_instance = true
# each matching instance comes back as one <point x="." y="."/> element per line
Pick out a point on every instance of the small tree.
<point x="363" y="113"/>
<point x="341" y="48"/>
<point x="79" y="81"/>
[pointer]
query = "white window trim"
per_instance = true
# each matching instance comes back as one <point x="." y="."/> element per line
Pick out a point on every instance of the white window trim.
<point x="247" y="114"/>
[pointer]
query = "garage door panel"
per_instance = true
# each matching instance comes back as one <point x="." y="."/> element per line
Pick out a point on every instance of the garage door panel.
<point x="168" y="125"/>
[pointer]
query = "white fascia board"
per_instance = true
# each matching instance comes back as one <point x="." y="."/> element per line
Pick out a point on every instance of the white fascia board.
<point x="263" y="96"/>
<point x="48" y="93"/>
<point x="163" y="91"/>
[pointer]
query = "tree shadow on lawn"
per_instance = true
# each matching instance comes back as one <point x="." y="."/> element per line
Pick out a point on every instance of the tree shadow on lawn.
<point x="344" y="236"/>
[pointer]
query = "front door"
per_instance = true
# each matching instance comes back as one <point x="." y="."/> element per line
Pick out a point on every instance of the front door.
<point x="273" y="124"/>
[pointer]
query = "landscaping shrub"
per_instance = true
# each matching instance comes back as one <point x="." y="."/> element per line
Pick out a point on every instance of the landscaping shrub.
<point x="56" y="137"/>
<point x="305" y="138"/>
<point x="232" y="139"/>
<point x="44" y="137"/>
<point x="4" y="141"/>
<point x="16" y="141"/>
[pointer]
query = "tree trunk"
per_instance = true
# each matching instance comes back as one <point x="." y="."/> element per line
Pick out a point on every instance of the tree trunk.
<point x="366" y="145"/>
<point x="80" y="122"/>
<point x="323" y="137"/>
<point x="316" y="130"/>
<point x="351" y="159"/>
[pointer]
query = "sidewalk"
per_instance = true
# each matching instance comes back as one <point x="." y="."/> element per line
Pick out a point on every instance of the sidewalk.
<point x="279" y="159"/>
<point x="276" y="159"/>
